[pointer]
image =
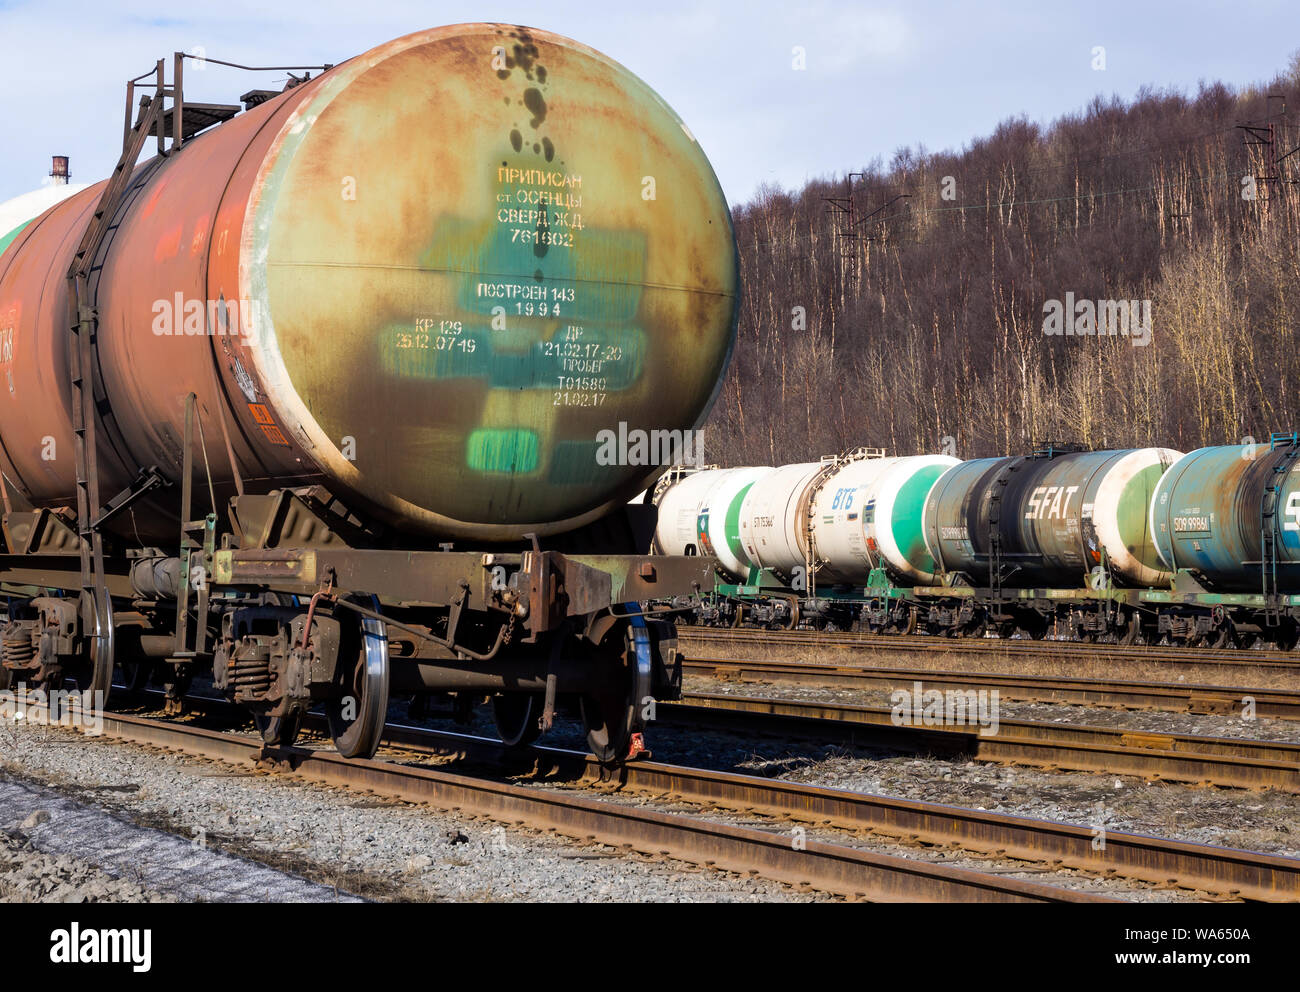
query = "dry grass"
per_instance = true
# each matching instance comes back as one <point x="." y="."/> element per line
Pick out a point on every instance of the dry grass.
<point x="958" y="659"/>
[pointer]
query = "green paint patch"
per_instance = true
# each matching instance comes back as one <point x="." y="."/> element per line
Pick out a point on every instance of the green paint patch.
<point x="510" y="450"/>
<point x="909" y="506"/>
<point x="12" y="236"/>
<point x="1134" y="516"/>
<point x="731" y="524"/>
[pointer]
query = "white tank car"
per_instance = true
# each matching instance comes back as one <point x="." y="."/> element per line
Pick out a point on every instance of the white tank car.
<point x="774" y="515"/>
<point x="703" y="509"/>
<point x="868" y="513"/>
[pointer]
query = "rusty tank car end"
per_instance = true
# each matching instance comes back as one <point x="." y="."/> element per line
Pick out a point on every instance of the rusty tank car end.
<point x="328" y="415"/>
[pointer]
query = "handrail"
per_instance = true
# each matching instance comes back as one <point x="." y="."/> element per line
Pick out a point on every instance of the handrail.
<point x="255" y="68"/>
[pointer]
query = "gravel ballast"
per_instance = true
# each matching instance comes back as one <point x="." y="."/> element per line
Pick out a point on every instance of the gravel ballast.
<point x="368" y="846"/>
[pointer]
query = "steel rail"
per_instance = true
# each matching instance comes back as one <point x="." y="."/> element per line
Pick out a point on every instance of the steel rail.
<point x="1222" y="761"/>
<point x="1227" y="658"/>
<point x="815" y="865"/>
<point x="1164" y="862"/>
<point x="1176" y="697"/>
<point x="1161" y="861"/>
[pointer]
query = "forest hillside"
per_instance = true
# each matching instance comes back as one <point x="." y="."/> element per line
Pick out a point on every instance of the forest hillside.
<point x="907" y="306"/>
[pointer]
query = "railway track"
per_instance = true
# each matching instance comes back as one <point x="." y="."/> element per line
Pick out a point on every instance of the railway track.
<point x="1202" y="867"/>
<point x="831" y="868"/>
<point x="1176" y="697"/>
<point x="1219" y="761"/>
<point x="1215" y="871"/>
<point x="741" y="639"/>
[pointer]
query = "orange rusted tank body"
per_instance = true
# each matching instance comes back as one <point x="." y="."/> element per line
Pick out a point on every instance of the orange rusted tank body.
<point x="427" y="279"/>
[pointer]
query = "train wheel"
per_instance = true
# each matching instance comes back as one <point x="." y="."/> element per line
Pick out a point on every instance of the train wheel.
<point x="793" y="621"/>
<point x="612" y="714"/>
<point x="908" y="628"/>
<point x="518" y="717"/>
<point x="136" y="674"/>
<point x="1132" y="634"/>
<point x="610" y="722"/>
<point x="278" y="731"/>
<point x="95" y="672"/>
<point x="1286" y="639"/>
<point x="358" y="713"/>
<point x="1218" y="638"/>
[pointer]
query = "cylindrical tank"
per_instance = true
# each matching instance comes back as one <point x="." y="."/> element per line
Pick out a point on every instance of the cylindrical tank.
<point x="703" y="510"/>
<point x="868" y="513"/>
<point x="678" y="506"/>
<point x="1208" y="513"/>
<point x="1058" y="516"/>
<point x="847" y="515"/>
<point x="774" y="518"/>
<point x="429" y="280"/>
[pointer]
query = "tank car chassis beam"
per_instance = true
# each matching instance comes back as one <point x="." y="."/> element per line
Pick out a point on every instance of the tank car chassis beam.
<point x="1187" y="614"/>
<point x="558" y="585"/>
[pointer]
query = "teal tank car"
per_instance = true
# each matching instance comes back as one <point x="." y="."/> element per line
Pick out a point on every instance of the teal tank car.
<point x="1230" y="515"/>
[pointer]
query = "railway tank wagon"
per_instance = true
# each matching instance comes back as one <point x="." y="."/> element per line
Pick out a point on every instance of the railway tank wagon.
<point x="314" y="395"/>
<point x="1226" y="522"/>
<point x="868" y="516"/>
<point x="700" y="515"/>
<point x="818" y="534"/>
<point x="17" y="213"/>
<point x="1136" y="546"/>
<point x="1052" y="519"/>
<point x="1046" y="526"/>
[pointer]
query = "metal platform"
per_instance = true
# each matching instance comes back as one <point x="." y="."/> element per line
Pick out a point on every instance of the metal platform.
<point x="198" y="117"/>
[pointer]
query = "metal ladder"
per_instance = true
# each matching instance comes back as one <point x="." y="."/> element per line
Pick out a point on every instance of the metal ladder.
<point x="83" y="325"/>
<point x="1268" y="522"/>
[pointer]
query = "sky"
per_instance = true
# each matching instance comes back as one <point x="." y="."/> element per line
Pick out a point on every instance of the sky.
<point x="874" y="78"/>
